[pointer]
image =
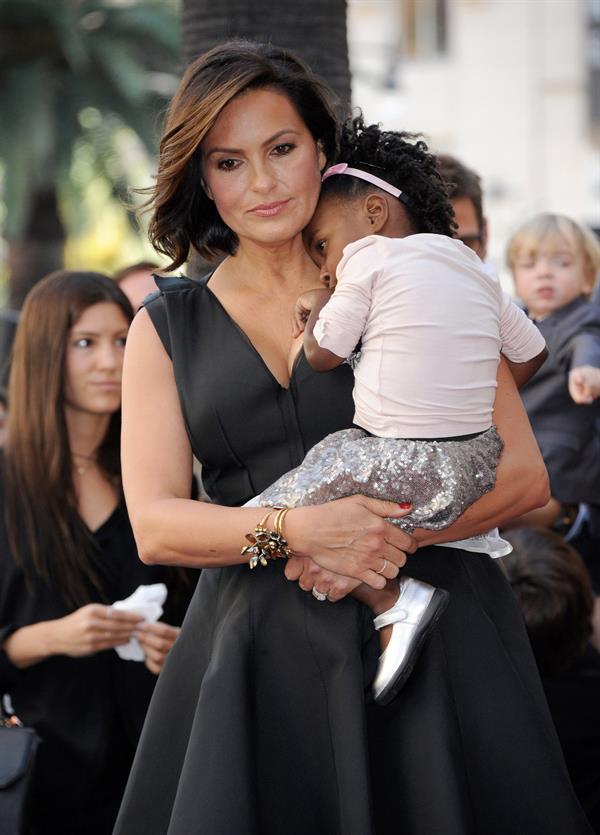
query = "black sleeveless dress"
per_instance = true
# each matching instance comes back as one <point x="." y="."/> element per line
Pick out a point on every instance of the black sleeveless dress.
<point x="88" y="711"/>
<point x="262" y="722"/>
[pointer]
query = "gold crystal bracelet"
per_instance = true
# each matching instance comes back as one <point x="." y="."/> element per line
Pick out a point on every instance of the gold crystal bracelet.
<point x="266" y="544"/>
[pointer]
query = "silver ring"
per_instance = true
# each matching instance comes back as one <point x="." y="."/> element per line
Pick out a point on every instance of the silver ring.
<point x="383" y="567"/>
<point x="318" y="595"/>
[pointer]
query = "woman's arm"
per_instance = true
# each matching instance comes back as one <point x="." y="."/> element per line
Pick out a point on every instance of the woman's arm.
<point x="521" y="478"/>
<point x="90" y="629"/>
<point x="171" y="529"/>
<point x="28" y="645"/>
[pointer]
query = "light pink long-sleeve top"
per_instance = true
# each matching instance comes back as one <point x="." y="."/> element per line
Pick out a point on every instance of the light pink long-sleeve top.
<point x="432" y="320"/>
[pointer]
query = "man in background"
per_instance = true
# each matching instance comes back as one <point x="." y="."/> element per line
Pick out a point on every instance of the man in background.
<point x="466" y="197"/>
<point x="136" y="281"/>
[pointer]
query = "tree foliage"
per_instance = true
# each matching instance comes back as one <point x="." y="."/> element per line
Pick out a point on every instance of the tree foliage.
<point x="60" y="59"/>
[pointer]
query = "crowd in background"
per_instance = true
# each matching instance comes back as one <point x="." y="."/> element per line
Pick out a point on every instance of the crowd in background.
<point x="68" y="553"/>
<point x="555" y="565"/>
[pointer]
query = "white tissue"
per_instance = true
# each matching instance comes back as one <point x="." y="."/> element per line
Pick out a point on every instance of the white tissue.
<point x="146" y="601"/>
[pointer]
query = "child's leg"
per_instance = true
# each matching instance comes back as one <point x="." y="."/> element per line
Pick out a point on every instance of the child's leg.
<point x="380" y="601"/>
<point x="407" y="611"/>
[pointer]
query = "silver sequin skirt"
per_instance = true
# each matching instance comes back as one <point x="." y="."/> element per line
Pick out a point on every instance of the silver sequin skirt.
<point x="440" y="478"/>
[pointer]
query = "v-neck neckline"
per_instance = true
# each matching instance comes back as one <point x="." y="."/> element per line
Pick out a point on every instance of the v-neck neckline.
<point x="107" y="519"/>
<point x="250" y="344"/>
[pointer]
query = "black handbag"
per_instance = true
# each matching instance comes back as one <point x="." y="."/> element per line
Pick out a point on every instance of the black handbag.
<point x="18" y="746"/>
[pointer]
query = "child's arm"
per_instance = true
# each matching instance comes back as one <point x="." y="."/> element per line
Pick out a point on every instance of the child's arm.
<point x="337" y="320"/>
<point x="524" y="371"/>
<point x="306" y="313"/>
<point x="523" y="345"/>
<point x="584" y="374"/>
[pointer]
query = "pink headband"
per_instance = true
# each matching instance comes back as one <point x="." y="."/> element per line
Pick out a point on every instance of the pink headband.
<point x="342" y="168"/>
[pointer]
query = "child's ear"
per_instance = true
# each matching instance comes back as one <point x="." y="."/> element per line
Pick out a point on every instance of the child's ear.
<point x="377" y="212"/>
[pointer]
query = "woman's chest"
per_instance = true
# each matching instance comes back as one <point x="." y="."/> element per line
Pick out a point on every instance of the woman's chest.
<point x="97" y="497"/>
<point x="240" y="418"/>
<point x="266" y="325"/>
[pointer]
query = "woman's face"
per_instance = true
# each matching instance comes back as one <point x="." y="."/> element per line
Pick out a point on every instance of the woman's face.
<point x="94" y="359"/>
<point x="262" y="168"/>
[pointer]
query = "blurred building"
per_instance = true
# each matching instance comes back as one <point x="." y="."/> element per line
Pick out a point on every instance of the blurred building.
<point x="511" y="87"/>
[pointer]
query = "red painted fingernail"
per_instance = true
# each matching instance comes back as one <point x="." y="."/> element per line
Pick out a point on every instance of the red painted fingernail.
<point x="405" y="505"/>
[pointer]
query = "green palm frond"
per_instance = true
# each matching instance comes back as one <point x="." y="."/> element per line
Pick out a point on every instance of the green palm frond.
<point x="27" y="139"/>
<point x="146" y="25"/>
<point x="58" y="57"/>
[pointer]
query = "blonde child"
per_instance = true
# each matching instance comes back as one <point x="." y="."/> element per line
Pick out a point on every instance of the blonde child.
<point x="555" y="261"/>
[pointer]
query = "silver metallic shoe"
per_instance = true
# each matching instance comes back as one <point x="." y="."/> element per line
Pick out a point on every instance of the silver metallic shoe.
<point x="414" y="615"/>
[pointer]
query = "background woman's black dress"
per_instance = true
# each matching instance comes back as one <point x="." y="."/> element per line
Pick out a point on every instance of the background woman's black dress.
<point x="88" y="711"/>
<point x="262" y="721"/>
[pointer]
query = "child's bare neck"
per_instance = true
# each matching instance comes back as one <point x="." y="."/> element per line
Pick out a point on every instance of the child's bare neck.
<point x="397" y="223"/>
<point x="397" y="227"/>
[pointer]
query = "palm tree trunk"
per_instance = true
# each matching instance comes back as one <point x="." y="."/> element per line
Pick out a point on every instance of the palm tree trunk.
<point x="314" y="29"/>
<point x="39" y="250"/>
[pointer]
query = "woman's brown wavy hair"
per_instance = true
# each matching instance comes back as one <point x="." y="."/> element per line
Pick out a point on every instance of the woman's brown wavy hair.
<point x="183" y="216"/>
<point x="46" y="535"/>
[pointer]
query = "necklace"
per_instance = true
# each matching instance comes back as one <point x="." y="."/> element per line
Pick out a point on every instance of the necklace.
<point x="83" y="468"/>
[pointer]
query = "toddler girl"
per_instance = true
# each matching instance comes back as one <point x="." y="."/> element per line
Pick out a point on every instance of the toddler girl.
<point x="431" y="321"/>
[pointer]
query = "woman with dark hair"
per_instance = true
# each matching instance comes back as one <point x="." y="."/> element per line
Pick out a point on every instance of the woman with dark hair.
<point x="67" y="552"/>
<point x="275" y="730"/>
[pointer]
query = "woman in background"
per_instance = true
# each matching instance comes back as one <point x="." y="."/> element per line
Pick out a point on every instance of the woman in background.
<point x="67" y="552"/>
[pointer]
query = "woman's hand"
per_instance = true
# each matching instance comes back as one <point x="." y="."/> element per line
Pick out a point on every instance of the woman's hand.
<point x="311" y="576"/>
<point x="156" y="639"/>
<point x="91" y="629"/>
<point x="351" y="537"/>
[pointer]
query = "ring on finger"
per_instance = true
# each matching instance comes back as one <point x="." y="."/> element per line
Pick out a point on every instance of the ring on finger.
<point x="383" y="567"/>
<point x="108" y="611"/>
<point x="319" y="595"/>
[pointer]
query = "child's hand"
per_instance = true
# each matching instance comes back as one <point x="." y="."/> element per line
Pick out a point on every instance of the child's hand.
<point x="304" y="306"/>
<point x="302" y="310"/>
<point x="584" y="384"/>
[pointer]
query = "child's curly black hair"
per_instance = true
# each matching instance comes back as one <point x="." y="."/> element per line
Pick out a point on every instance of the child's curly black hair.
<point x="401" y="159"/>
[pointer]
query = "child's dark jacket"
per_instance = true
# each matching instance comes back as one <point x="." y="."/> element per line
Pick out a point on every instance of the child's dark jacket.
<point x="566" y="432"/>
